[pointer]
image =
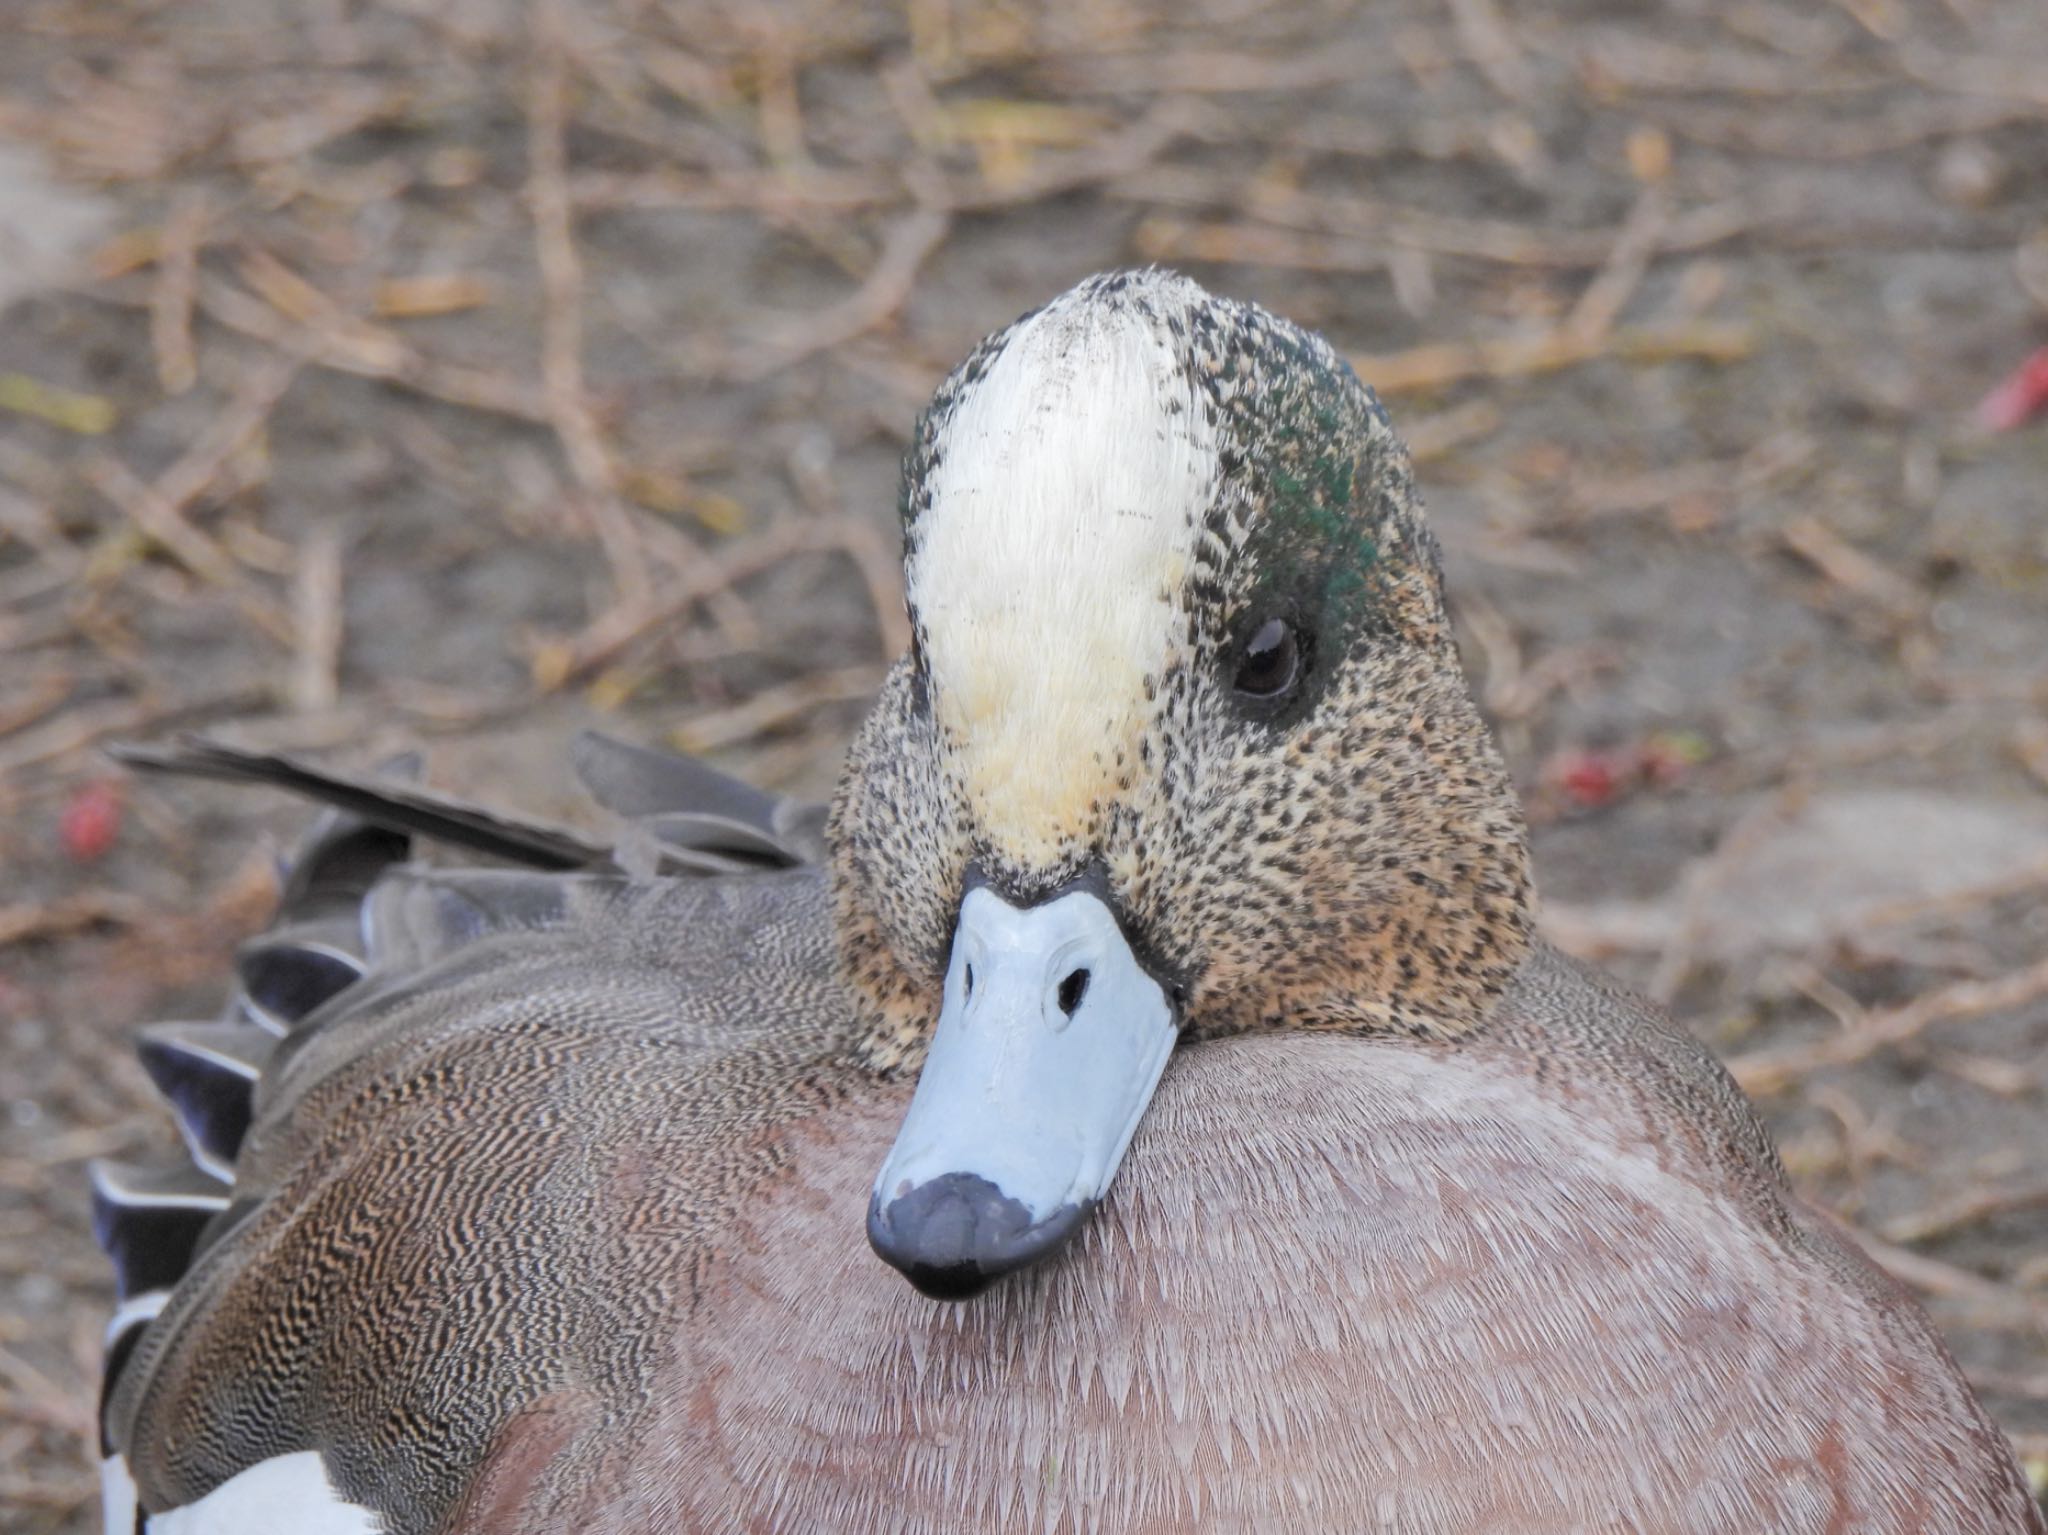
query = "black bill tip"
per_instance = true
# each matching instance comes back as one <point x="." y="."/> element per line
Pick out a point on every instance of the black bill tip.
<point x="954" y="1236"/>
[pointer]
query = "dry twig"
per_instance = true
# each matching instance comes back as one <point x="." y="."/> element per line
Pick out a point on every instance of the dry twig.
<point x="33" y="921"/>
<point x="911" y="240"/>
<point x="317" y="620"/>
<point x="1622" y="273"/>
<point x="1491" y="45"/>
<point x="775" y="707"/>
<point x="1440" y="364"/>
<point x="1846" y="566"/>
<point x="1120" y="156"/>
<point x="615" y="632"/>
<point x="171" y="300"/>
<point x="1947" y="1219"/>
<point x="561" y="270"/>
<point x="382" y="355"/>
<point x="161" y="509"/>
<point x="1992" y="1303"/>
<point x="163" y="520"/>
<point x="1764" y="1072"/>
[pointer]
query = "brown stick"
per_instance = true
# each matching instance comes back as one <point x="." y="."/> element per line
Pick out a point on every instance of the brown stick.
<point x="2030" y="745"/>
<point x="33" y="920"/>
<point x="1492" y="47"/>
<point x="1122" y="155"/>
<point x="1848" y="567"/>
<point x="561" y="272"/>
<point x="1593" y="316"/>
<point x="401" y="366"/>
<point x="1762" y="1072"/>
<point x="51" y="691"/>
<point x="1396" y="225"/>
<point x="317" y="614"/>
<point x="228" y="434"/>
<point x="176" y="288"/>
<point x="1443" y="363"/>
<point x="163" y="519"/>
<point x="777" y="194"/>
<point x="775" y="707"/>
<point x="1946" y="1281"/>
<point x="1437" y="436"/>
<point x="89" y="725"/>
<point x="911" y="241"/>
<point x="881" y="570"/>
<point x="614" y="632"/>
<point x="1944" y="1220"/>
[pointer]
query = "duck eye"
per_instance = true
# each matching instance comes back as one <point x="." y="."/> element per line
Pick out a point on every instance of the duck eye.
<point x="1271" y="662"/>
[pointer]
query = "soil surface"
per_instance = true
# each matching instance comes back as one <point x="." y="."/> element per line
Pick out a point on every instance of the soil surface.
<point x="462" y="371"/>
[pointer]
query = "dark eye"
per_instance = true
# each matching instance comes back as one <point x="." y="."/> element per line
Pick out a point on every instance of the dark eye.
<point x="1272" y="660"/>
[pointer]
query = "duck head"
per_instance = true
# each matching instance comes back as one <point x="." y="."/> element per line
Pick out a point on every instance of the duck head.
<point x="1181" y="748"/>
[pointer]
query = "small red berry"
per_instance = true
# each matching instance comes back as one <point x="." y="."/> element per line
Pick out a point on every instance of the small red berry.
<point x="91" y="820"/>
<point x="2022" y="395"/>
<point x="1589" y="778"/>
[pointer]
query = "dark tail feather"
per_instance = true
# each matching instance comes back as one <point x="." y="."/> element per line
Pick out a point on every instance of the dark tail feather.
<point x="394" y="806"/>
<point x="691" y="808"/>
<point x="148" y="1221"/>
<point x="152" y="1222"/>
<point x="208" y="1073"/>
<point x="282" y="975"/>
<point x="346" y="897"/>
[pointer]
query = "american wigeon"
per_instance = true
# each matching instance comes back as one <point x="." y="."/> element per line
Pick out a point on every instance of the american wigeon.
<point x="1161" y="1002"/>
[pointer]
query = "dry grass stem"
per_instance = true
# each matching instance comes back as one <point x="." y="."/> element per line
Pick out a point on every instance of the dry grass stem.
<point x="1989" y="1303"/>
<point x="1394" y="225"/>
<point x="1438" y="436"/>
<point x="87" y="726"/>
<point x="547" y="192"/>
<point x="1847" y="567"/>
<point x="1438" y="365"/>
<point x="1954" y="904"/>
<point x="32" y="922"/>
<point x="163" y="520"/>
<point x="1491" y="45"/>
<point x="614" y="633"/>
<point x="47" y="694"/>
<point x="386" y="358"/>
<point x="1622" y="273"/>
<point x="317" y="621"/>
<point x="1120" y="156"/>
<point x="775" y="708"/>
<point x="1945" y="1220"/>
<point x="171" y="300"/>
<point x="1764" y="1072"/>
<point x="887" y="287"/>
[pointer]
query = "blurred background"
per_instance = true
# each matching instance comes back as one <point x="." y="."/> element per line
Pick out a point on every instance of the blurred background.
<point x="465" y="371"/>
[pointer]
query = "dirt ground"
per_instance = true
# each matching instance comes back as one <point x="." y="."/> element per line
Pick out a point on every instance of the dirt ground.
<point x="463" y="371"/>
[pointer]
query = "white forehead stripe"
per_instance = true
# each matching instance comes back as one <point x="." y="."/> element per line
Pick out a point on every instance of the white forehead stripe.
<point x="1070" y="488"/>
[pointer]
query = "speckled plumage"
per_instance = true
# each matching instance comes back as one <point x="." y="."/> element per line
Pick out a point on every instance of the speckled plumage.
<point x="1380" y="790"/>
<point x="553" y="1219"/>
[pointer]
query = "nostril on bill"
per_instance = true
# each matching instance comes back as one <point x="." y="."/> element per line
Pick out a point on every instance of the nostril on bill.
<point x="1072" y="990"/>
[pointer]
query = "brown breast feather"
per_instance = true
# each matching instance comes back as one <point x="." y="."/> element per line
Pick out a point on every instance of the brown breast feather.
<point x="1339" y="1286"/>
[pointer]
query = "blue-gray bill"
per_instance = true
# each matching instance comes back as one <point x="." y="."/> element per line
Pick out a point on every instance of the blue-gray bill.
<point x="1050" y="1041"/>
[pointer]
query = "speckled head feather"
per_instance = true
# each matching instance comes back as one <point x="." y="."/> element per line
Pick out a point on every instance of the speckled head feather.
<point x="1103" y="506"/>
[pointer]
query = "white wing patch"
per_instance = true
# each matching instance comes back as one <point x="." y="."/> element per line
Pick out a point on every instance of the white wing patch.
<point x="286" y="1495"/>
<point x="117" y="1496"/>
<point x="135" y="1310"/>
<point x="1069" y="492"/>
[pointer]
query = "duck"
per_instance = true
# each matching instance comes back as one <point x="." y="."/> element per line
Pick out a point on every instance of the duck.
<point x="1140" y="1101"/>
